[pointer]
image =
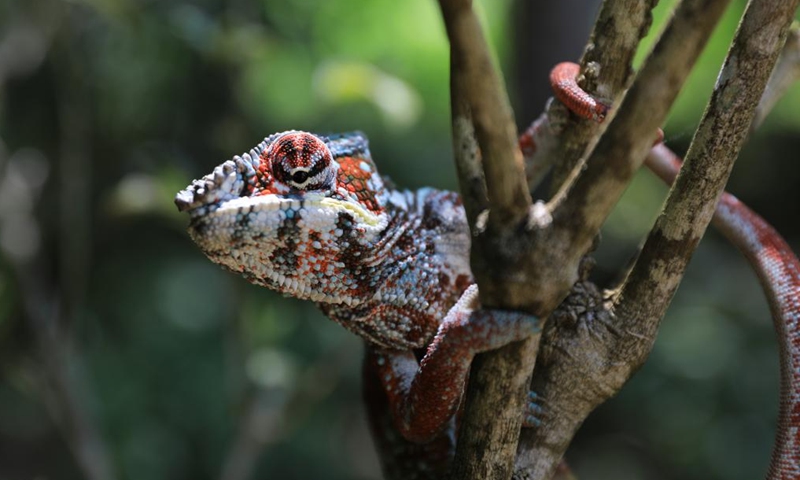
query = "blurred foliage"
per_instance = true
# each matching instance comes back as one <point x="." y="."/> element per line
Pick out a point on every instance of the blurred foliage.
<point x="109" y="107"/>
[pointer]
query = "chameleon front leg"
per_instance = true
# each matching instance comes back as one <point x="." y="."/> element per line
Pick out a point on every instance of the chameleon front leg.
<point x="400" y="458"/>
<point x="424" y="396"/>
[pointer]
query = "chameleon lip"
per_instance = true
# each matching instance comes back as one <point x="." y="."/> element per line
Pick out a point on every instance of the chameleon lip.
<point x="307" y="201"/>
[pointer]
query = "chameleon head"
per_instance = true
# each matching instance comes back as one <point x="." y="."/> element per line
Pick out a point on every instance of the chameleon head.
<point x="298" y="214"/>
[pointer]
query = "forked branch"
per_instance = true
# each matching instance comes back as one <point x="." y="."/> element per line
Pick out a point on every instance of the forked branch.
<point x="522" y="259"/>
<point x="479" y="98"/>
<point x="530" y="264"/>
<point x="483" y="122"/>
<point x="620" y="337"/>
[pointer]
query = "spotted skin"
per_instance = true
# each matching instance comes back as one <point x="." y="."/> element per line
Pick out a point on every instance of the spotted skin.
<point x="309" y="216"/>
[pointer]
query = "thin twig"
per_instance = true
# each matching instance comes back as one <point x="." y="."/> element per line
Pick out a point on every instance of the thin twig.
<point x="270" y="416"/>
<point x="485" y="100"/>
<point x="65" y="390"/>
<point x="258" y="425"/>
<point x="785" y="74"/>
<point x="582" y="206"/>
<point x="467" y="156"/>
<point x="607" y="70"/>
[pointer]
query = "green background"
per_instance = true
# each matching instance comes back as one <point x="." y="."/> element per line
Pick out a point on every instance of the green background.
<point x="109" y="107"/>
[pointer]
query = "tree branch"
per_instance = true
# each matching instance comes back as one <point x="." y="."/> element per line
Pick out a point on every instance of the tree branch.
<point x="785" y="74"/>
<point x="648" y="288"/>
<point x="589" y="359"/>
<point x="583" y="337"/>
<point x="481" y="110"/>
<point x="581" y="207"/>
<point x="607" y="67"/>
<point x="481" y="100"/>
<point x="574" y="374"/>
<point x="530" y="262"/>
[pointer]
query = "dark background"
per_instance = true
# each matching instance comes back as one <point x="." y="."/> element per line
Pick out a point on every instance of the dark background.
<point x="125" y="354"/>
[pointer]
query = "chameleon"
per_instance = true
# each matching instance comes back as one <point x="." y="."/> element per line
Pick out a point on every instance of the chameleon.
<point x="309" y="216"/>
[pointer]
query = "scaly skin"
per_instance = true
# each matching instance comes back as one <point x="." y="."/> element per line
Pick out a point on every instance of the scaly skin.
<point x="384" y="263"/>
<point x="565" y="87"/>
<point x="309" y="216"/>
<point x="777" y="268"/>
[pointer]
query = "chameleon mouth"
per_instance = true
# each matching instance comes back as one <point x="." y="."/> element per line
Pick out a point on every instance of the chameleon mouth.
<point x="264" y="236"/>
<point x="311" y="207"/>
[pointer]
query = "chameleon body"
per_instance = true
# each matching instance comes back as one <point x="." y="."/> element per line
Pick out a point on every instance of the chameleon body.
<point x="309" y="216"/>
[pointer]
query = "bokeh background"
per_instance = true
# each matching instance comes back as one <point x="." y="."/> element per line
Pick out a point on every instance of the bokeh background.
<point x="125" y="354"/>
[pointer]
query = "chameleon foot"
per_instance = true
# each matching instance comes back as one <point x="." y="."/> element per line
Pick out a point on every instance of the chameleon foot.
<point x="533" y="411"/>
<point x="424" y="396"/>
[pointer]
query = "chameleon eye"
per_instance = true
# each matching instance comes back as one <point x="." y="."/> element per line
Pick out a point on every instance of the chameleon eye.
<point x="302" y="161"/>
<point x="299" y="177"/>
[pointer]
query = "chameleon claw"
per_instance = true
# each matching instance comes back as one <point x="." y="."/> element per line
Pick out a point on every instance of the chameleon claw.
<point x="531" y="422"/>
<point x="533" y="411"/>
<point x="535" y="408"/>
<point x="534" y="397"/>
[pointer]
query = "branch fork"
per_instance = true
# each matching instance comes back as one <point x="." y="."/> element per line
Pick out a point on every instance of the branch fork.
<point x="527" y="256"/>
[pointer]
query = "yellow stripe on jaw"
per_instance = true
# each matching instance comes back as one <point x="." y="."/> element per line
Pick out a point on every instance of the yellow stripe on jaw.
<point x="362" y="214"/>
